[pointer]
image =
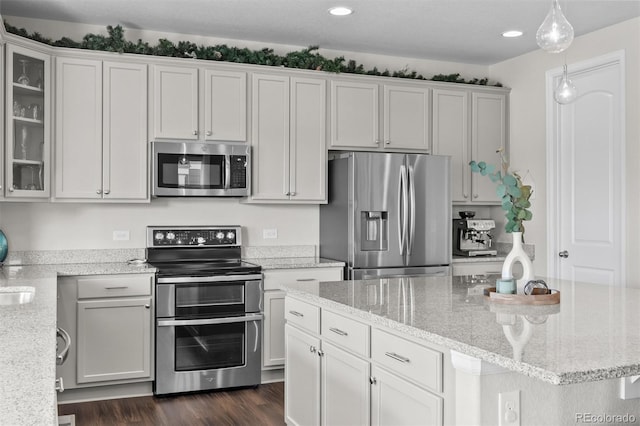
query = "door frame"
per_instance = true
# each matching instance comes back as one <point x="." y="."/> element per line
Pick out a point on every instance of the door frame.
<point x="616" y="58"/>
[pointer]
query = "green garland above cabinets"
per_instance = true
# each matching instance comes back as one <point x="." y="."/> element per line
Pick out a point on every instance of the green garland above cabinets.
<point x="307" y="58"/>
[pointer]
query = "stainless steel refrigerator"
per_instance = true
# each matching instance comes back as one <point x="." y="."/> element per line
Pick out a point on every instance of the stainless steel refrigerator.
<point x="388" y="214"/>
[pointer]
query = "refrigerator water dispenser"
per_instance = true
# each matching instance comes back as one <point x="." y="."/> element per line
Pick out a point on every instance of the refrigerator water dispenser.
<point x="374" y="234"/>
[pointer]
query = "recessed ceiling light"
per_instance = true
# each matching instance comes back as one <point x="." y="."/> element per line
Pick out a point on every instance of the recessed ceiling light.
<point x="512" y="33"/>
<point x="340" y="11"/>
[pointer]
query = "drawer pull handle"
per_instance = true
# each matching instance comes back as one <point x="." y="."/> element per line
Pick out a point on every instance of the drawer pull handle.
<point x="296" y="313"/>
<point x="397" y="357"/>
<point x="338" y="331"/>
<point x="116" y="288"/>
<point x="305" y="279"/>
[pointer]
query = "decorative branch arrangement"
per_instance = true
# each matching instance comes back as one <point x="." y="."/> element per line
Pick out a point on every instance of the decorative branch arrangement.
<point x="307" y="58"/>
<point x="513" y="194"/>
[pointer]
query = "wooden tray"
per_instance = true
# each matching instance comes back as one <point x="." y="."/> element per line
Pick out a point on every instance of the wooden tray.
<point x="522" y="299"/>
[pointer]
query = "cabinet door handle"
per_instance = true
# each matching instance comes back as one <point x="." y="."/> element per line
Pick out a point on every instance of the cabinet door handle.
<point x="387" y="142"/>
<point x="59" y="385"/>
<point x="116" y="288"/>
<point x="62" y="356"/>
<point x="372" y="380"/>
<point x="320" y="353"/>
<point x="11" y="188"/>
<point x="376" y="142"/>
<point x="293" y="194"/>
<point x="195" y="133"/>
<point x="99" y="191"/>
<point x="209" y="132"/>
<point x="106" y="192"/>
<point x="296" y="313"/>
<point x="475" y="195"/>
<point x="397" y="357"/>
<point x="312" y="349"/>
<point x="287" y="193"/>
<point x="465" y="195"/>
<point x="338" y="331"/>
<point x="147" y="306"/>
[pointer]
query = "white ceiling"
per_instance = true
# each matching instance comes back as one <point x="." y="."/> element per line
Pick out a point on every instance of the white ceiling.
<point x="465" y="31"/>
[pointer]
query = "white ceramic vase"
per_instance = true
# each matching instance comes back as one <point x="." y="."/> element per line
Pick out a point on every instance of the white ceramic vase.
<point x="517" y="254"/>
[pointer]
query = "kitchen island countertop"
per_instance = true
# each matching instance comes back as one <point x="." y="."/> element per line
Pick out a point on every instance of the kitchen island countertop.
<point x="592" y="335"/>
<point x="28" y="336"/>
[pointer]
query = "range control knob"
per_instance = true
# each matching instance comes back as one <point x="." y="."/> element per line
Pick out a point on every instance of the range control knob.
<point x="230" y="235"/>
<point x="220" y="235"/>
<point x="159" y="236"/>
<point x="171" y="236"/>
<point x="201" y="240"/>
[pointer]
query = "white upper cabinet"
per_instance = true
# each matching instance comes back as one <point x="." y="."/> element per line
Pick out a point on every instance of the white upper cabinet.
<point x="28" y="112"/>
<point x="406" y="118"/>
<point x="356" y="116"/>
<point x="225" y="101"/>
<point x="179" y="114"/>
<point x="469" y="126"/>
<point x="101" y="138"/>
<point x="175" y="103"/>
<point x="288" y="139"/>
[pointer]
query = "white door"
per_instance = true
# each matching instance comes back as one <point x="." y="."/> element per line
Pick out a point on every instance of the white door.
<point x="175" y="102"/>
<point x="78" y="128"/>
<point x="301" y="378"/>
<point x="124" y="150"/>
<point x="345" y="388"/>
<point x="270" y="137"/>
<point x="308" y="150"/>
<point x="225" y="105"/>
<point x="397" y="402"/>
<point x="586" y="159"/>
<point x="406" y="118"/>
<point x="354" y="115"/>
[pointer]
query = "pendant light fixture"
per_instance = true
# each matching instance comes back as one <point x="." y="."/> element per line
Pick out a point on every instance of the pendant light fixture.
<point x="555" y="33"/>
<point x="566" y="91"/>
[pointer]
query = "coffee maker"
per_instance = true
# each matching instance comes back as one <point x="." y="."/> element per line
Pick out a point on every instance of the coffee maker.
<point x="471" y="237"/>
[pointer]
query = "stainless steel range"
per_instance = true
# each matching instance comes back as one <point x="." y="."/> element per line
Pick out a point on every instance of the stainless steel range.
<point x="208" y="309"/>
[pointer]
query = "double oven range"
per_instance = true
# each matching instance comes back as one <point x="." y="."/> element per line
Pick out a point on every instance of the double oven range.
<point x="208" y="309"/>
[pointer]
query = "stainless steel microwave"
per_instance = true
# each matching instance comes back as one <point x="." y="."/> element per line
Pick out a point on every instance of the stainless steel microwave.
<point x="200" y="169"/>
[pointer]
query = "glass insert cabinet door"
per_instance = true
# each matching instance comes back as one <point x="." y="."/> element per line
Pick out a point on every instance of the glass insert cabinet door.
<point x="28" y="116"/>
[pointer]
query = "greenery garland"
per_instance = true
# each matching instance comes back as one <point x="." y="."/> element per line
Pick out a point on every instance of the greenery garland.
<point x="307" y="58"/>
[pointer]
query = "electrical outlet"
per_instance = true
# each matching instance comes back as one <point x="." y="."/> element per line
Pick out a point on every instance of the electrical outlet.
<point x="269" y="234"/>
<point x="121" y="235"/>
<point x="509" y="408"/>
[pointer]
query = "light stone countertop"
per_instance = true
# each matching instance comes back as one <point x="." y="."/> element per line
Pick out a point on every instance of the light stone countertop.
<point x="295" y="262"/>
<point x="593" y="334"/>
<point x="28" y="339"/>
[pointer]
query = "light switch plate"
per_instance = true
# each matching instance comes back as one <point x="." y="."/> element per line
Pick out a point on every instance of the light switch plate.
<point x="269" y="234"/>
<point x="121" y="235"/>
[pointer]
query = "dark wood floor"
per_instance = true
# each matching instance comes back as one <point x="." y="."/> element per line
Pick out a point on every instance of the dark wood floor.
<point x="263" y="405"/>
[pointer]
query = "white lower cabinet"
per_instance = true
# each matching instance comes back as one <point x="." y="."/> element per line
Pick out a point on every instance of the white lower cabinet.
<point x="114" y="339"/>
<point x="395" y="401"/>
<point x="273" y="352"/>
<point x="301" y="378"/>
<point x="345" y="387"/>
<point x="334" y="374"/>
<point x="110" y="320"/>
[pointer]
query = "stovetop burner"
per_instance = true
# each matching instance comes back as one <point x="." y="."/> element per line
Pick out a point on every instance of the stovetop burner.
<point x="197" y="251"/>
<point x="210" y="268"/>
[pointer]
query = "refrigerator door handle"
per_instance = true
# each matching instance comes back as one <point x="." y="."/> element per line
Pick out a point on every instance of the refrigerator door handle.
<point x="403" y="208"/>
<point x="412" y="215"/>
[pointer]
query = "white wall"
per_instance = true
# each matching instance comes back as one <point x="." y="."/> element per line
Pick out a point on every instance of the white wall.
<point x="526" y="76"/>
<point x="46" y="226"/>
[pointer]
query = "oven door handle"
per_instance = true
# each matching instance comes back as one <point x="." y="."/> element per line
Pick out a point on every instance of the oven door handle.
<point x="209" y="321"/>
<point x="217" y="278"/>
